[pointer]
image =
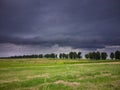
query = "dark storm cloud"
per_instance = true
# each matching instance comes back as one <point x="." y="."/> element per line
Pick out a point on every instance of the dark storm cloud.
<point x="75" y="23"/>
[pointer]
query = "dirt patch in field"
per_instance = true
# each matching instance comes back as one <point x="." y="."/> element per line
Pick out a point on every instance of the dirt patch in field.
<point x="86" y="77"/>
<point x="9" y="81"/>
<point x="112" y="63"/>
<point x="100" y="63"/>
<point x="71" y="84"/>
<point x="104" y="75"/>
<point x="95" y="76"/>
<point x="113" y="76"/>
<point x="116" y="83"/>
<point x="109" y="63"/>
<point x="37" y="76"/>
<point x="107" y="74"/>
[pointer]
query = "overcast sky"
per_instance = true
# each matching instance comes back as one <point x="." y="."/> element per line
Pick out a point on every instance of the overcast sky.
<point x="46" y="26"/>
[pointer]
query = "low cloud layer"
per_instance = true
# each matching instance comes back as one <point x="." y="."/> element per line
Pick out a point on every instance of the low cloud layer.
<point x="79" y="24"/>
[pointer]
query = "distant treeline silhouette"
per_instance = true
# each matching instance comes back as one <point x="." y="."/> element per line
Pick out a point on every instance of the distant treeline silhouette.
<point x="75" y="55"/>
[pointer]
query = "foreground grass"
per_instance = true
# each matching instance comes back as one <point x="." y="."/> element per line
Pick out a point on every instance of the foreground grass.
<point x="44" y="74"/>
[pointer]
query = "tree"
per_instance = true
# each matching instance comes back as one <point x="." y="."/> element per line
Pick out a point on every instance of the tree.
<point x="40" y="56"/>
<point x="90" y="55"/>
<point x="117" y="55"/>
<point x="94" y="55"/>
<point x="79" y="55"/>
<point x="46" y="55"/>
<point x="64" y="55"/>
<point x="86" y="56"/>
<point x="98" y="55"/>
<point x="103" y="55"/>
<point x="73" y="55"/>
<point x="52" y="55"/>
<point x="60" y="55"/>
<point x="112" y="55"/>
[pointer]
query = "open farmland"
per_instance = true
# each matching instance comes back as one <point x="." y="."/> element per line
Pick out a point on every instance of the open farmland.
<point x="49" y="74"/>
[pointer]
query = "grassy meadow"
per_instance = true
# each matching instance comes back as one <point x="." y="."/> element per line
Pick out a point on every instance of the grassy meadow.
<point x="55" y="74"/>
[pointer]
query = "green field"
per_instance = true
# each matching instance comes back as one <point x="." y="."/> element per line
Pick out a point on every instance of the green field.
<point x="49" y="74"/>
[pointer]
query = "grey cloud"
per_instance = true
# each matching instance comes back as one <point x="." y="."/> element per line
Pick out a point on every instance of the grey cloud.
<point x="74" y="23"/>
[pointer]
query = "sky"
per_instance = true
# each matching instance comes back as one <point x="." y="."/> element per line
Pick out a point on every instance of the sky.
<point x="54" y="26"/>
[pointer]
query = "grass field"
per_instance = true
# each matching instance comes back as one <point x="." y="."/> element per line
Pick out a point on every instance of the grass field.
<point x="48" y="74"/>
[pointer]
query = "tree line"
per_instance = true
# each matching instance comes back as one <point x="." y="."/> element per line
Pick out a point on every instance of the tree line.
<point x="71" y="55"/>
<point x="96" y="55"/>
<point x="115" y="55"/>
<point x="75" y="55"/>
<point x="103" y="55"/>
